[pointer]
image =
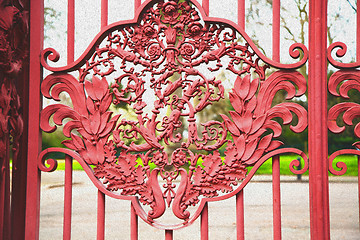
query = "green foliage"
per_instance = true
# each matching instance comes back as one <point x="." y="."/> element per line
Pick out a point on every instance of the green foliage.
<point x="53" y="140"/>
<point x="265" y="169"/>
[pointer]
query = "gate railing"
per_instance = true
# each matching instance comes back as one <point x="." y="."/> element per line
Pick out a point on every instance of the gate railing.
<point x="287" y="79"/>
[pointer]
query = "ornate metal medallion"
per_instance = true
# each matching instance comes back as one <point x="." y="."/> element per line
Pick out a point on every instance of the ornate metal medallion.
<point x="136" y="102"/>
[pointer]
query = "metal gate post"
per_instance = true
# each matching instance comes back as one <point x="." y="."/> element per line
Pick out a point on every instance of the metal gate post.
<point x="34" y="136"/>
<point x="318" y="149"/>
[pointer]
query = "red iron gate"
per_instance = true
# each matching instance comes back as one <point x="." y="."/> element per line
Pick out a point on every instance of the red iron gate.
<point x="160" y="153"/>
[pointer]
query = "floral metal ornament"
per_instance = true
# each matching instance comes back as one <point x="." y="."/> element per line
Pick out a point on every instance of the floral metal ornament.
<point x="161" y="69"/>
<point x="340" y="83"/>
<point x="13" y="54"/>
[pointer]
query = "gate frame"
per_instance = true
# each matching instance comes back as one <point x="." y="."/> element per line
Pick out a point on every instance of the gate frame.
<point x="317" y="110"/>
<point x="317" y="121"/>
<point x="32" y="221"/>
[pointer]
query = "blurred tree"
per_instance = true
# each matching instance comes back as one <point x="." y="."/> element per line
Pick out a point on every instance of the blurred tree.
<point x="298" y="20"/>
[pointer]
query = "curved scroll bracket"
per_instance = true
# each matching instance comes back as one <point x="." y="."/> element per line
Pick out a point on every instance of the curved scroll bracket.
<point x="341" y="165"/>
<point x="340" y="52"/>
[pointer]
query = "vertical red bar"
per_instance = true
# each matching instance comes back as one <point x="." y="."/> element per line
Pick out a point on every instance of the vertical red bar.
<point x="205" y="5"/>
<point x="276" y="31"/>
<point x="5" y="192"/>
<point x="34" y="136"/>
<point x="168" y="234"/>
<point x="241" y="13"/>
<point x="357" y="32"/>
<point x="276" y="197"/>
<point x="318" y="129"/>
<point x="67" y="197"/>
<point x="240" y="215"/>
<point x="204" y="223"/>
<point x="100" y="216"/>
<point x="134" y="223"/>
<point x="137" y="5"/>
<point x="359" y="185"/>
<point x="71" y="31"/>
<point x="104" y="13"/>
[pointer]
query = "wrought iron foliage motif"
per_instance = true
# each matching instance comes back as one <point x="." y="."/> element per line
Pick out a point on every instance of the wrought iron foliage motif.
<point x="340" y="83"/>
<point x="170" y="51"/>
<point x="13" y="52"/>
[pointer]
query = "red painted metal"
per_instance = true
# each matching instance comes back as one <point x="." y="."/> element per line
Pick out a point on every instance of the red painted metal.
<point x="276" y="30"/>
<point x="104" y="13"/>
<point x="206" y="7"/>
<point x="241" y="13"/>
<point x="34" y="136"/>
<point x="317" y="107"/>
<point x="14" y="52"/>
<point x="339" y="85"/>
<point x="162" y="57"/>
<point x="134" y="223"/>
<point x="5" y="190"/>
<point x="276" y="197"/>
<point x="240" y="222"/>
<point x="100" y="216"/>
<point x="137" y="4"/>
<point x="162" y="51"/>
<point x="168" y="234"/>
<point x="71" y="31"/>
<point x="67" y="197"/>
<point x="204" y="223"/>
<point x="358" y="37"/>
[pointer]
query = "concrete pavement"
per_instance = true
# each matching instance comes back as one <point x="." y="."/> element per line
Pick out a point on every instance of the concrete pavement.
<point x="258" y="211"/>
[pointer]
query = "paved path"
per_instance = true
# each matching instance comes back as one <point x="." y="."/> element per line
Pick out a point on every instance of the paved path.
<point x="258" y="212"/>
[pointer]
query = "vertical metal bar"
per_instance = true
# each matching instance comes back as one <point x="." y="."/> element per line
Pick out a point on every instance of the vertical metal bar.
<point x="168" y="234"/>
<point x="100" y="216"/>
<point x="137" y="5"/>
<point x="34" y="136"/>
<point x="204" y="223"/>
<point x="67" y="198"/>
<point x="71" y="31"/>
<point x="359" y="185"/>
<point x="5" y="192"/>
<point x="318" y="129"/>
<point x="19" y="167"/>
<point x="104" y="13"/>
<point x="240" y="215"/>
<point x="276" y="197"/>
<point x="134" y="223"/>
<point x="241" y="13"/>
<point x="276" y="31"/>
<point x="205" y="5"/>
<point x="357" y="32"/>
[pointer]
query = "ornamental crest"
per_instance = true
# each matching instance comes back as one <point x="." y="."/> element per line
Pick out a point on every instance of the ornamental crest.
<point x="138" y="94"/>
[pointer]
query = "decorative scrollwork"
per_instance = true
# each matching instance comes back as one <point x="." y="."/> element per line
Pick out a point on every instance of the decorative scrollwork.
<point x="341" y="165"/>
<point x="340" y="52"/>
<point x="344" y="80"/>
<point x="340" y="83"/>
<point x="169" y="53"/>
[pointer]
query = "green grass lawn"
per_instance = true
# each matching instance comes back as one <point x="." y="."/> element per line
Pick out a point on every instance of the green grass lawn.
<point x="266" y="169"/>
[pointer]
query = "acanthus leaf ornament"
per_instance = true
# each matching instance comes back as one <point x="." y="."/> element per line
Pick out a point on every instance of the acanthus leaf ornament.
<point x="13" y="55"/>
<point x="159" y="67"/>
<point x="340" y="83"/>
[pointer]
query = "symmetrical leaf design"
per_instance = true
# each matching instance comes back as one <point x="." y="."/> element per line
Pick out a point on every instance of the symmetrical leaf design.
<point x="164" y="53"/>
